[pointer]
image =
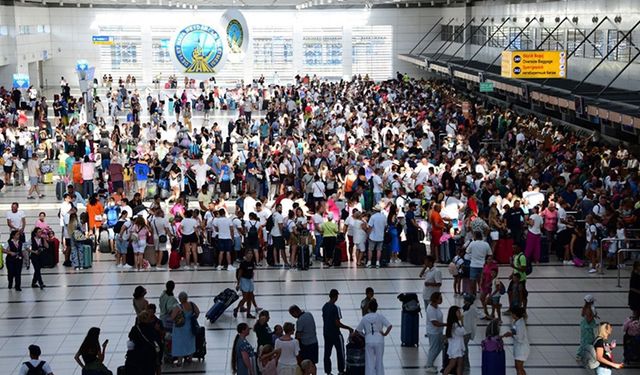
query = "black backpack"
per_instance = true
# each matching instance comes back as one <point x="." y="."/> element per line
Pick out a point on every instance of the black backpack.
<point x="252" y="235"/>
<point x="269" y="224"/>
<point x="38" y="370"/>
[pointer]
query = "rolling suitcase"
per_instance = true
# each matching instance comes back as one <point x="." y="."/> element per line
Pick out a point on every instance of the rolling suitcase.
<point x="221" y="302"/>
<point x="60" y="190"/>
<point x="504" y="250"/>
<point x="87" y="256"/>
<point x="103" y="243"/>
<point x="174" y="260"/>
<point x="410" y="328"/>
<point x="201" y="344"/>
<point x="130" y="258"/>
<point x="417" y="253"/>
<point x="631" y="348"/>
<point x="165" y="258"/>
<point x="355" y="356"/>
<point x="206" y="258"/>
<point x="304" y="258"/>
<point x="47" y="258"/>
<point x="493" y="357"/>
<point x="150" y="254"/>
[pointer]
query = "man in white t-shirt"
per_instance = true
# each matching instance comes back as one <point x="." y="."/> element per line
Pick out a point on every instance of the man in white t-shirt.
<point x="377" y="186"/>
<point x="477" y="252"/>
<point x="201" y="170"/>
<point x="225" y="229"/>
<point x="276" y="236"/>
<point x="374" y="327"/>
<point x="33" y="170"/>
<point x="318" y="220"/>
<point x="161" y="230"/>
<point x="35" y="362"/>
<point x="16" y="219"/>
<point x="432" y="279"/>
<point x="377" y="225"/>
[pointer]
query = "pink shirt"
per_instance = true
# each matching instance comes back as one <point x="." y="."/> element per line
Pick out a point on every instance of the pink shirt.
<point x="88" y="171"/>
<point x="550" y="219"/>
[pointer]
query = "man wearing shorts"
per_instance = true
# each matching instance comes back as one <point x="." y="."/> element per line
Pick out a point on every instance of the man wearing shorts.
<point x="161" y="232"/>
<point x="377" y="224"/>
<point x="142" y="172"/>
<point x="477" y="252"/>
<point x="225" y="229"/>
<point x="122" y="239"/>
<point x="33" y="169"/>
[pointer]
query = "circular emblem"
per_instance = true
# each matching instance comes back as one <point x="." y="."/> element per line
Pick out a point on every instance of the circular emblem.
<point x="516" y="70"/>
<point x="517" y="58"/>
<point x="235" y="36"/>
<point x="199" y="49"/>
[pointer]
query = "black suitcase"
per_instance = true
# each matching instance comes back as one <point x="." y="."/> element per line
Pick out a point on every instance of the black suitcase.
<point x="201" y="344"/>
<point x="60" y="190"/>
<point x="47" y="258"/>
<point x="104" y="245"/>
<point x="130" y="257"/>
<point x="221" y="302"/>
<point x="409" y="329"/>
<point x="417" y="253"/>
<point x="304" y="258"/>
<point x="206" y="259"/>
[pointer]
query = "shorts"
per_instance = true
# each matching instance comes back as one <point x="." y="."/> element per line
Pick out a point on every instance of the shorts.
<point x="495" y="300"/>
<point x="362" y="247"/>
<point x="225" y="186"/>
<point x="33" y="181"/>
<point x="7" y="169"/>
<point x="246" y="285"/>
<point x="139" y="246"/>
<point x="475" y="273"/>
<point x="118" y="185"/>
<point x="224" y="245"/>
<point x="375" y="245"/>
<point x="121" y="246"/>
<point x="142" y="185"/>
<point x="189" y="238"/>
<point x="278" y="243"/>
<point x="237" y="244"/>
<point x="112" y="234"/>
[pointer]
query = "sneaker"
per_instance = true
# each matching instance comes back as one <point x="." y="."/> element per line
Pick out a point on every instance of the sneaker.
<point x="377" y="266"/>
<point x="593" y="270"/>
<point x="137" y="269"/>
<point x="41" y="196"/>
<point x="369" y="265"/>
<point x="160" y="268"/>
<point x="620" y="266"/>
<point x="118" y="265"/>
<point x="186" y="267"/>
<point x="566" y="262"/>
<point x="127" y="266"/>
<point x="231" y="268"/>
<point x="30" y="197"/>
<point x="219" y="268"/>
<point x="195" y="267"/>
<point x="433" y="370"/>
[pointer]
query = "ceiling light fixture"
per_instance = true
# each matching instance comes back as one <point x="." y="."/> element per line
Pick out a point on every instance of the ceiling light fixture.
<point x="78" y="5"/>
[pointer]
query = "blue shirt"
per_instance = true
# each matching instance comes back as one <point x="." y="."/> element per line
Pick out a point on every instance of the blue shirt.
<point x="225" y="172"/>
<point x="142" y="171"/>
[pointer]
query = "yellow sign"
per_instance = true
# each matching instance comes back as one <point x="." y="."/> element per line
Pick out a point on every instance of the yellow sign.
<point x="534" y="64"/>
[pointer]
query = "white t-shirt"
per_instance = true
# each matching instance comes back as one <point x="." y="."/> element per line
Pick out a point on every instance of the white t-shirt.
<point x="277" y="220"/>
<point x="237" y="224"/>
<point x="318" y="189"/>
<point x="434" y="314"/>
<point x="15" y="218"/>
<point x="35" y="362"/>
<point x="372" y="324"/>
<point x="201" y="173"/>
<point x="189" y="226"/>
<point x="159" y="226"/>
<point x="537" y="223"/>
<point x="377" y="184"/>
<point x="290" y="350"/>
<point x="433" y="275"/>
<point x="359" y="235"/>
<point x="477" y="252"/>
<point x="317" y="222"/>
<point x="378" y="223"/>
<point x="223" y="227"/>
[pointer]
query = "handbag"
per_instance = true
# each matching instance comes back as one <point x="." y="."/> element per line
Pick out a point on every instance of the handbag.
<point x="155" y="345"/>
<point x="79" y="235"/>
<point x="161" y="238"/>
<point x="179" y="320"/>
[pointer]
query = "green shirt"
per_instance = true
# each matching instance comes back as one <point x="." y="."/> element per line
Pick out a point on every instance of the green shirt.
<point x="520" y="261"/>
<point x="329" y="229"/>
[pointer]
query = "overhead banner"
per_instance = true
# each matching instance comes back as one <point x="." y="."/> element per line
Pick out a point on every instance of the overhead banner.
<point x="237" y="33"/>
<point x="199" y="51"/>
<point x="534" y="64"/>
<point x="21" y="81"/>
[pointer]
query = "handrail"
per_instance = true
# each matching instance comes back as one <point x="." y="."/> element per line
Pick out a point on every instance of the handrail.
<point x="618" y="264"/>
<point x="612" y="240"/>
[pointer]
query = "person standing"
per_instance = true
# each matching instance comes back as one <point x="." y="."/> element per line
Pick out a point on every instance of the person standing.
<point x="245" y="284"/>
<point x="455" y="340"/>
<point x="520" y="339"/>
<point x="34" y="172"/>
<point x="587" y="326"/>
<point x="534" y="236"/>
<point x="14" y="260"/>
<point x="377" y="224"/>
<point x="91" y="353"/>
<point x="604" y="350"/>
<point x="331" y="318"/>
<point x="375" y="328"/>
<point x="243" y="356"/>
<point x="277" y="236"/>
<point x="306" y="333"/>
<point x="289" y="350"/>
<point x="329" y="231"/>
<point x="432" y="279"/>
<point x="167" y="303"/>
<point x="477" y="252"/>
<point x="183" y="343"/>
<point x="16" y="220"/>
<point x="39" y="245"/>
<point x="226" y="232"/>
<point x="34" y="364"/>
<point x="364" y="304"/>
<point x="435" y="327"/>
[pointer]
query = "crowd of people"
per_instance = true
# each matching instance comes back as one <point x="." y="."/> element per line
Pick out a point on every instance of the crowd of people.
<point x="354" y="171"/>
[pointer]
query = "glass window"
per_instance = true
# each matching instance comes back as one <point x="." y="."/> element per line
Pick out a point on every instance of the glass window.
<point x="478" y="35"/>
<point x="372" y="51"/>
<point x="499" y="40"/>
<point x="574" y="38"/>
<point x="625" y="49"/>
<point x="599" y="44"/>
<point x="612" y="40"/>
<point x="273" y="52"/>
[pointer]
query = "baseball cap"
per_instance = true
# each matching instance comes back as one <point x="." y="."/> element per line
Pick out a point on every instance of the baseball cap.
<point x="589" y="298"/>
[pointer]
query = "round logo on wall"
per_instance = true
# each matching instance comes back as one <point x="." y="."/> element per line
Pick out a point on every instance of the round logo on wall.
<point x="235" y="36"/>
<point x="199" y="50"/>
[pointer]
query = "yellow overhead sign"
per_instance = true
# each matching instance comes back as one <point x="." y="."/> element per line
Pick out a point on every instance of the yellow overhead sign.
<point x="534" y="64"/>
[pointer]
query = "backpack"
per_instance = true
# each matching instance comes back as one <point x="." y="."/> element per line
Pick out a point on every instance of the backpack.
<point x="252" y="235"/>
<point x="269" y="225"/>
<point x="112" y="216"/>
<point x="590" y="358"/>
<point x="286" y="233"/>
<point x="38" y="370"/>
<point x="528" y="268"/>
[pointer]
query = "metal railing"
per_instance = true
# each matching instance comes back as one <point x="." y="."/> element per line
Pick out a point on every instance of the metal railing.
<point x="610" y="241"/>
<point x="618" y="261"/>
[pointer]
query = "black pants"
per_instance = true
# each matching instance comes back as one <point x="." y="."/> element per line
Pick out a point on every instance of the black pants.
<point x="37" y="265"/>
<point x="14" y="271"/>
<point x="309" y="352"/>
<point x="330" y="342"/>
<point x="329" y="245"/>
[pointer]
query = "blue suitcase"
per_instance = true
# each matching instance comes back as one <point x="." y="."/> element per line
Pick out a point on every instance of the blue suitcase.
<point x="493" y="363"/>
<point x="410" y="328"/>
<point x="221" y="302"/>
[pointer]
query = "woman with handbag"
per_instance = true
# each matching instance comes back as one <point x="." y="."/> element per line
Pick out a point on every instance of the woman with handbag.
<point x="14" y="260"/>
<point x="185" y="325"/>
<point x="39" y="245"/>
<point x="138" y="235"/>
<point x="143" y="357"/>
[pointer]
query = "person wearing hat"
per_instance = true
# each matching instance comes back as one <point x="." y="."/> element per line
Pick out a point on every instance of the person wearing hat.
<point x="588" y="324"/>
<point x="331" y="318"/>
<point x="34" y="363"/>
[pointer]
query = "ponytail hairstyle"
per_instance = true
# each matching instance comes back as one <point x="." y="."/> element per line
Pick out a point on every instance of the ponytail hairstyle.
<point x="234" y="357"/>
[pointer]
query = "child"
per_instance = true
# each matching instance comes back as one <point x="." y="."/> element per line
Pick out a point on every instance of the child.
<point x="268" y="360"/>
<point x="455" y="269"/>
<point x="515" y="292"/>
<point x="277" y="333"/>
<point x="611" y="245"/>
<point x="497" y="290"/>
<point x="364" y="305"/>
<point x="621" y="235"/>
<point x="360" y="236"/>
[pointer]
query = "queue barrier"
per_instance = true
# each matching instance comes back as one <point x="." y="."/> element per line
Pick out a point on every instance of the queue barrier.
<point x="612" y="240"/>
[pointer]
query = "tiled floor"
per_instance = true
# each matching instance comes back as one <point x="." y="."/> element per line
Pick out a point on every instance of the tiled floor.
<point x="58" y="317"/>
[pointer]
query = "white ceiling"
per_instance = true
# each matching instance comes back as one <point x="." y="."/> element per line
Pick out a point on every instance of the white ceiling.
<point x="321" y="4"/>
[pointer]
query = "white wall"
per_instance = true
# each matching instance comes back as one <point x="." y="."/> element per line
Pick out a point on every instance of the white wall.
<point x="583" y="9"/>
<point x="72" y="28"/>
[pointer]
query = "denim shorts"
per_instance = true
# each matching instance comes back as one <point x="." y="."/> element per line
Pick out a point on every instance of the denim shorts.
<point x="121" y="246"/>
<point x="475" y="273"/>
<point x="246" y="285"/>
